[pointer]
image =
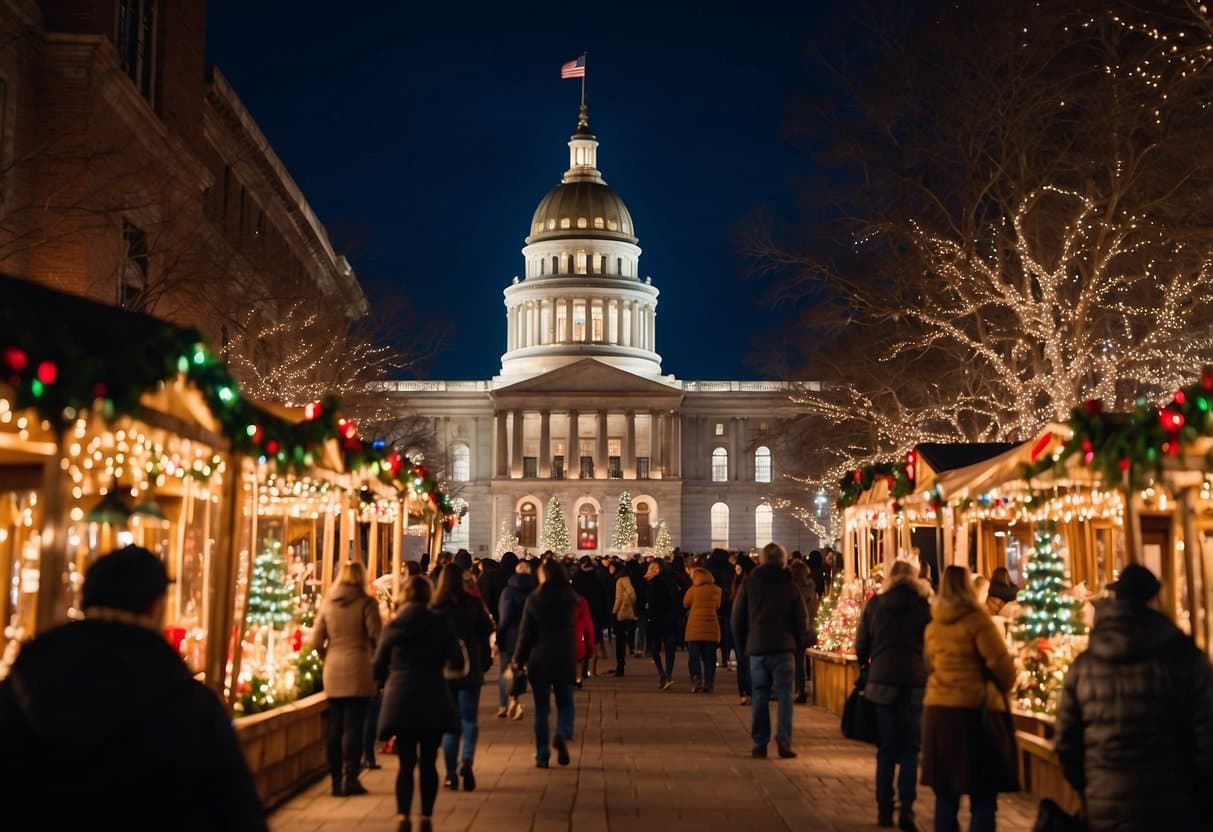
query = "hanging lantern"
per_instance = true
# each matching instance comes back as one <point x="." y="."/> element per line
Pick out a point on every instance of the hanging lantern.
<point x="107" y="524"/>
<point x="150" y="529"/>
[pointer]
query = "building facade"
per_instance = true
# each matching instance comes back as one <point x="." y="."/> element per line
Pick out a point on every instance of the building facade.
<point x="581" y="410"/>
<point x="131" y="173"/>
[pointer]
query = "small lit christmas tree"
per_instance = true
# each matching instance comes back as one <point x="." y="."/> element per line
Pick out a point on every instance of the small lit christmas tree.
<point x="1050" y="631"/>
<point x="663" y="545"/>
<point x="836" y="631"/>
<point x="555" y="528"/>
<point x="1046" y="612"/>
<point x="271" y="594"/>
<point x="828" y="602"/>
<point x="625" y="523"/>
<point x="507" y="540"/>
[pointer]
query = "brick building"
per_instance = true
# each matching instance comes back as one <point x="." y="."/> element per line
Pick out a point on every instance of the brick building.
<point x="132" y="173"/>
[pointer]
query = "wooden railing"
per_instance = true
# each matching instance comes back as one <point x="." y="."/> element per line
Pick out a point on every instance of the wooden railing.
<point x="285" y="747"/>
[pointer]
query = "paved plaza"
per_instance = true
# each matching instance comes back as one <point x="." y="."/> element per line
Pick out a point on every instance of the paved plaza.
<point x="642" y="760"/>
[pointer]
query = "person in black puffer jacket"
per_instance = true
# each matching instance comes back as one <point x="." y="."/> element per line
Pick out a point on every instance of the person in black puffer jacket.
<point x="722" y="574"/>
<point x="1135" y="724"/>
<point x="104" y="727"/>
<point x="547" y="648"/>
<point x="890" y="637"/>
<point x="473" y="626"/>
<point x="496" y="576"/>
<point x="769" y="624"/>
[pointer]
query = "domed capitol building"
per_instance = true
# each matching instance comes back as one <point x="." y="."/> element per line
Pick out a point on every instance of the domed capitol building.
<point x="581" y="410"/>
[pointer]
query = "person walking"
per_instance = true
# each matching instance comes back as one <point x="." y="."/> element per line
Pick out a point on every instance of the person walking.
<point x="588" y="584"/>
<point x="466" y="613"/>
<point x="722" y="573"/>
<point x="799" y="571"/>
<point x="347" y="628"/>
<point x="742" y="569"/>
<point x="664" y="613"/>
<point x="104" y="726"/>
<point x="889" y="644"/>
<point x="702" y="634"/>
<point x="968" y="671"/>
<point x="546" y="649"/>
<point x="509" y="616"/>
<point x="493" y="581"/>
<point x="769" y="625"/>
<point x="1134" y="730"/>
<point x="583" y="636"/>
<point x="624" y="612"/>
<point x="418" y="654"/>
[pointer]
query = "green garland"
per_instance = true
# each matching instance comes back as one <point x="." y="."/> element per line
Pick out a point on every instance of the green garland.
<point x="89" y="355"/>
<point x="899" y="475"/>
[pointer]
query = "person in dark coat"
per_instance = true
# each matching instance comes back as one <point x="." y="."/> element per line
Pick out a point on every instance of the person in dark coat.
<point x="1135" y="723"/>
<point x="889" y="645"/>
<point x="547" y="650"/>
<point x="509" y="617"/>
<point x="104" y="727"/>
<point x="588" y="584"/>
<point x="742" y="569"/>
<point x="769" y="625"/>
<point x="817" y="571"/>
<point x="635" y="570"/>
<point x="664" y="617"/>
<point x="418" y="652"/>
<point x="799" y="571"/>
<point x="496" y="576"/>
<point x="472" y="624"/>
<point x="722" y="574"/>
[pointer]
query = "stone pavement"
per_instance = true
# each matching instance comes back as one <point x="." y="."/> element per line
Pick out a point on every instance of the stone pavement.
<point x="643" y="760"/>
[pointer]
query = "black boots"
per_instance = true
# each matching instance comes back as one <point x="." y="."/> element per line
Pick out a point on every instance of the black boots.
<point x="338" y="791"/>
<point x="352" y="786"/>
<point x="905" y="820"/>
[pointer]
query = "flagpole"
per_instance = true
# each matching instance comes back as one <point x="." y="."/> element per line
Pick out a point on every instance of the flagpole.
<point x="585" y="65"/>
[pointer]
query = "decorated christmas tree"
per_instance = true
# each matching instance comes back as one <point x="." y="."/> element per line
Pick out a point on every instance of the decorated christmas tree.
<point x="507" y="540"/>
<point x="836" y="632"/>
<point x="271" y="594"/>
<point x="828" y="602"/>
<point x="625" y="523"/>
<point x="555" y="528"/>
<point x="663" y="544"/>
<point x="1050" y="631"/>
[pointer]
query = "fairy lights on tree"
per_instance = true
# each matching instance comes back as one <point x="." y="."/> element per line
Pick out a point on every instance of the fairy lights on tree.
<point x="663" y="543"/>
<point x="555" y="528"/>
<point x="625" y="523"/>
<point x="507" y="539"/>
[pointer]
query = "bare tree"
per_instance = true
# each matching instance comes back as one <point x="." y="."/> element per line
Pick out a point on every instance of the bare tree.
<point x="1024" y="224"/>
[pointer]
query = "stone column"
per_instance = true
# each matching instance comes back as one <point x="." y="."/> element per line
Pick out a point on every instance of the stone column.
<point x="568" y="321"/>
<point x="501" y="465"/>
<point x="629" y="445"/>
<point x="667" y="446"/>
<point x="516" y="447"/>
<point x="652" y="322"/>
<point x="653" y="440"/>
<point x="600" y="455"/>
<point x="572" y="459"/>
<point x="545" y="444"/>
<point x="588" y="329"/>
<point x="657" y="441"/>
<point x="735" y="461"/>
<point x="634" y="324"/>
<point x="676" y="444"/>
<point x="552" y="322"/>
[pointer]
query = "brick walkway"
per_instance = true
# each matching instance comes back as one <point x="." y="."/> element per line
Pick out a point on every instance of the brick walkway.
<point x="643" y="760"/>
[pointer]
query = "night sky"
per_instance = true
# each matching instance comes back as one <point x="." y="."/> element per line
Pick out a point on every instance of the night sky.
<point x="424" y="135"/>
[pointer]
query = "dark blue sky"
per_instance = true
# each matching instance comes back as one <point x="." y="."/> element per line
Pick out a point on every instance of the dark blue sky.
<point x="427" y="132"/>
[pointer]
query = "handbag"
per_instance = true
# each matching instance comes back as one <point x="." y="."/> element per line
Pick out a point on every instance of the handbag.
<point x="1050" y="817"/>
<point x="1001" y="753"/>
<point x="859" y="713"/>
<point x="518" y="683"/>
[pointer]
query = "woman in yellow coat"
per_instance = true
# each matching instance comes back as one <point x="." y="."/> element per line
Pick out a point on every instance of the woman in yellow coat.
<point x="968" y="668"/>
<point x="703" y="628"/>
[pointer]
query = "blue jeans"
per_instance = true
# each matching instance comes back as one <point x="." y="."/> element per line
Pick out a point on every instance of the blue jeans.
<point x="503" y="690"/>
<point x="468" y="703"/>
<point x="899" y="729"/>
<point x="767" y="671"/>
<point x="982" y="809"/>
<point x="565" y="717"/>
<point x="702" y="654"/>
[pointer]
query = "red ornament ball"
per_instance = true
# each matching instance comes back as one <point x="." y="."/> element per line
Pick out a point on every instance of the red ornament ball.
<point x="15" y="358"/>
<point x="47" y="372"/>
<point x="1124" y="464"/>
<point x="1093" y="407"/>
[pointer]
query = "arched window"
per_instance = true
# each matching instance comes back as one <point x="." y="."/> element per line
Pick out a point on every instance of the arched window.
<point x="720" y="465"/>
<point x="764" y="525"/>
<point x="528" y="524"/>
<point x="461" y="463"/>
<point x="720" y="526"/>
<point x="555" y="264"/>
<point x="644" y="532"/>
<point x="762" y="464"/>
<point x="587" y="526"/>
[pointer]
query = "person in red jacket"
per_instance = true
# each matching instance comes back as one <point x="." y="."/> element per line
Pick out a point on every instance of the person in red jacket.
<point x="583" y="633"/>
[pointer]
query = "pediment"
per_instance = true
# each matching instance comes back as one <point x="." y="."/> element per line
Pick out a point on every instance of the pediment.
<point x="589" y="377"/>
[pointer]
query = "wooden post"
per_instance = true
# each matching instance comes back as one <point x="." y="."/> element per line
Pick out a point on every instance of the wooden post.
<point x="326" y="549"/>
<point x="343" y="544"/>
<point x="848" y="545"/>
<point x="397" y="551"/>
<point x="224" y="559"/>
<point x="1197" y="615"/>
<point x="50" y="608"/>
<point x="8" y="556"/>
<point x="238" y="623"/>
<point x="1133" y="527"/>
<point x="372" y="546"/>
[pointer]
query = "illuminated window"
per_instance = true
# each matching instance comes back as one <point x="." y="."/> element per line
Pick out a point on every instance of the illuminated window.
<point x="565" y="222"/>
<point x="587" y="527"/>
<point x="136" y="42"/>
<point x="764" y="524"/>
<point x="644" y="531"/>
<point x="580" y="261"/>
<point x="582" y="222"/>
<point x="612" y="225"/>
<point x="762" y="464"/>
<point x="720" y="526"/>
<point x="720" y="465"/>
<point x="720" y="428"/>
<point x="552" y="224"/>
<point x="528" y="524"/>
<point x="598" y="222"/>
<point x="461" y="463"/>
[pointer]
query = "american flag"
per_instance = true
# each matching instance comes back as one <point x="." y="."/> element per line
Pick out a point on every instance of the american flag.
<point x="573" y="69"/>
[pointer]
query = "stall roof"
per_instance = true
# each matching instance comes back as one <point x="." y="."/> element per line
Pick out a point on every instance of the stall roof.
<point x="1003" y="466"/>
<point x="948" y="456"/>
